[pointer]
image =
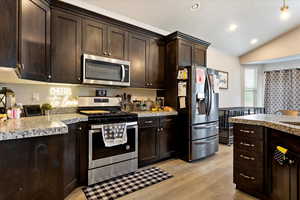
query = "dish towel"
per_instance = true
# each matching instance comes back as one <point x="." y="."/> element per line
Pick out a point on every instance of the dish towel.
<point x="114" y="134"/>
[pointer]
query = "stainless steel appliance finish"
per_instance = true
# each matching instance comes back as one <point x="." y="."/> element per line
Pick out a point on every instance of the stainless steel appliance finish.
<point x="108" y="162"/>
<point x="204" y="114"/>
<point x="103" y="168"/>
<point x="105" y="71"/>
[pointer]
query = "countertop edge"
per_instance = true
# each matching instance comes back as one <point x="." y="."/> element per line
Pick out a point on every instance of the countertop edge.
<point x="268" y="124"/>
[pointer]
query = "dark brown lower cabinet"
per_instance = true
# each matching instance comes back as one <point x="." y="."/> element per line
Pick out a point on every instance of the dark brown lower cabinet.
<point x="40" y="168"/>
<point x="31" y="168"/>
<point x="157" y="137"/>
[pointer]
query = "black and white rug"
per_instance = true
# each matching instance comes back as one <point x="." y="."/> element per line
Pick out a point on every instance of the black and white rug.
<point x="120" y="186"/>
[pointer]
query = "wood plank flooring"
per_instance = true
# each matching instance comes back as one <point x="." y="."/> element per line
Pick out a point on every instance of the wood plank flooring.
<point x="208" y="179"/>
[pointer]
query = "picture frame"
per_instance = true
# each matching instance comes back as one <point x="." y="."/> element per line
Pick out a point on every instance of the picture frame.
<point x="223" y="79"/>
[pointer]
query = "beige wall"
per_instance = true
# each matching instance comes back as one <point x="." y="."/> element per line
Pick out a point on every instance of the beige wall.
<point x="285" y="45"/>
<point x="221" y="61"/>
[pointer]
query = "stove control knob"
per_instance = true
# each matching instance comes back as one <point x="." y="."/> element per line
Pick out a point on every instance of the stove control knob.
<point x="127" y="147"/>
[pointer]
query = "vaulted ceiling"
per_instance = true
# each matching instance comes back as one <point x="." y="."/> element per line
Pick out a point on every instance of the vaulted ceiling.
<point x="258" y="19"/>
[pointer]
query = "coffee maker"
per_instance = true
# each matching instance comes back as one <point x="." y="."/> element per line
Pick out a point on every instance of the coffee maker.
<point x="7" y="99"/>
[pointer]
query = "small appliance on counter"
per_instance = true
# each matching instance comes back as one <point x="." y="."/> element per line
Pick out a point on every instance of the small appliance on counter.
<point x="7" y="98"/>
<point x="108" y="155"/>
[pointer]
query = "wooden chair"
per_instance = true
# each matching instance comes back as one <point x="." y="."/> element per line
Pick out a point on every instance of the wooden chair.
<point x="289" y="112"/>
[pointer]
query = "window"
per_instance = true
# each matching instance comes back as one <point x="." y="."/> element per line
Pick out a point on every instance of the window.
<point x="250" y="94"/>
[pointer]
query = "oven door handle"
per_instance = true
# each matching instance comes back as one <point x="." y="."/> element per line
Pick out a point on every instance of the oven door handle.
<point x="123" y="73"/>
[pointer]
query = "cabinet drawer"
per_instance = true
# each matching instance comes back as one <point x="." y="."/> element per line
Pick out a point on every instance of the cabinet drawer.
<point x="248" y="144"/>
<point x="246" y="159"/>
<point x="148" y="122"/>
<point x="248" y="131"/>
<point x="249" y="180"/>
<point x="168" y="121"/>
<point x="204" y="130"/>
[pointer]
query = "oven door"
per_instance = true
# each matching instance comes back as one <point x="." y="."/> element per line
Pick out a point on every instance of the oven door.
<point x="99" y="155"/>
<point x="105" y="71"/>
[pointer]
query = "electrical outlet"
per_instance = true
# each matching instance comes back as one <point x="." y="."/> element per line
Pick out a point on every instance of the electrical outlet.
<point x="35" y="97"/>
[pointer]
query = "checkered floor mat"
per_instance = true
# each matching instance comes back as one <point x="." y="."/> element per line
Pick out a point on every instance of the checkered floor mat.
<point x="120" y="186"/>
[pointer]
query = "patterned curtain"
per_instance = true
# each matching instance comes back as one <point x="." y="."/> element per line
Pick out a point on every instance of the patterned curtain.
<point x="282" y="90"/>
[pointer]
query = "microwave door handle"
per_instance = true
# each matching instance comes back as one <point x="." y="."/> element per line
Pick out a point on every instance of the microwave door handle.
<point x="123" y="73"/>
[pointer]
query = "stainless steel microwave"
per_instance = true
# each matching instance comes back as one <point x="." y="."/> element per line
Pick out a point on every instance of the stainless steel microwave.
<point x="105" y="71"/>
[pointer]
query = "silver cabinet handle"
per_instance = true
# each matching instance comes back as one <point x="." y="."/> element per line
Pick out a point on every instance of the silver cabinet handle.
<point x="109" y="54"/>
<point x="247" y="177"/>
<point x="49" y="76"/>
<point x="247" y="145"/>
<point x="80" y="128"/>
<point x="105" y="53"/>
<point x="23" y="66"/>
<point x="246" y="131"/>
<point x="79" y="78"/>
<point x="148" y="122"/>
<point x="247" y="157"/>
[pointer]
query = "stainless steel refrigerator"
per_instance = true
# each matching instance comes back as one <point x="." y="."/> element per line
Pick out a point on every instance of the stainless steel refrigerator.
<point x="202" y="133"/>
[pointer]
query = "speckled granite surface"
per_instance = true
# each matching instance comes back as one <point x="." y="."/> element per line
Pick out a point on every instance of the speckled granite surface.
<point x="155" y="114"/>
<point x="270" y="121"/>
<point x="38" y="126"/>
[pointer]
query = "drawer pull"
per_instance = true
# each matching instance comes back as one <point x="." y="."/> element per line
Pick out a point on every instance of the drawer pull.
<point x="247" y="177"/>
<point x="247" y="158"/>
<point x="246" y="131"/>
<point x="148" y="122"/>
<point x="247" y="145"/>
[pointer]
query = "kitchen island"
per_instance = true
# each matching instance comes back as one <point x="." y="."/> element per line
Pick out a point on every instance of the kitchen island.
<point x="256" y="171"/>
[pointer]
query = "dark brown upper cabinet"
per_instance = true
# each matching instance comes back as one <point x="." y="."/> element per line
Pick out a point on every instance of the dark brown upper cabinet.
<point x="94" y="38"/>
<point x="156" y="67"/>
<point x="8" y="33"/>
<point x="104" y="40"/>
<point x="185" y="53"/>
<point x="25" y="37"/>
<point x="117" y="43"/>
<point x="35" y="40"/>
<point x="138" y="56"/>
<point x="66" y="47"/>
<point x="199" y="57"/>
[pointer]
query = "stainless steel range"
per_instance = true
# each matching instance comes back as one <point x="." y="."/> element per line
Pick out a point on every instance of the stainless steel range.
<point x="105" y="116"/>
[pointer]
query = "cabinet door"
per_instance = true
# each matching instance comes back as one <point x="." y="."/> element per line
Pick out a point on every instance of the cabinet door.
<point x="199" y="57"/>
<point x="71" y="159"/>
<point x="94" y="38"/>
<point x="185" y="53"/>
<point x="66" y="48"/>
<point x="138" y="56"/>
<point x="13" y="169"/>
<point x="117" y="43"/>
<point x="156" y="68"/>
<point x="44" y="177"/>
<point x="35" y="40"/>
<point x="148" y="145"/>
<point x="167" y="137"/>
<point x="8" y="33"/>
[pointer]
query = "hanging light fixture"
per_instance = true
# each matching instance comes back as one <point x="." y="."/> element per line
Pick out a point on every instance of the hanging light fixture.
<point x="284" y="11"/>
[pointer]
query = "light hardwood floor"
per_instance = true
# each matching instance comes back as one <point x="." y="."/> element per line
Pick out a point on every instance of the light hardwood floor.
<point x="208" y="179"/>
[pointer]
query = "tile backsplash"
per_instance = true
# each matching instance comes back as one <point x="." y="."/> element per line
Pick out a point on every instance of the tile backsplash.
<point x="66" y="96"/>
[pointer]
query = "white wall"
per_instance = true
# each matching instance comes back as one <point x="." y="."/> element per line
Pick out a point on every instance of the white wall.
<point x="221" y="61"/>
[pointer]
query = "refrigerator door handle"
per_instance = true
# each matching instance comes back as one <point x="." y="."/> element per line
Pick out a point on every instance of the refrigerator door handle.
<point x="206" y="126"/>
<point x="209" y="94"/>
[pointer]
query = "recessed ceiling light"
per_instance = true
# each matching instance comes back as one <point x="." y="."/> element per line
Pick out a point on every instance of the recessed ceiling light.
<point x="254" y="41"/>
<point x="196" y="6"/>
<point x="232" y="27"/>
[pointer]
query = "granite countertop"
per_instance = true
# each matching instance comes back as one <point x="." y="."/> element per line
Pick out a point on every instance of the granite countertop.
<point x="270" y="121"/>
<point x="29" y="127"/>
<point x="155" y="114"/>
